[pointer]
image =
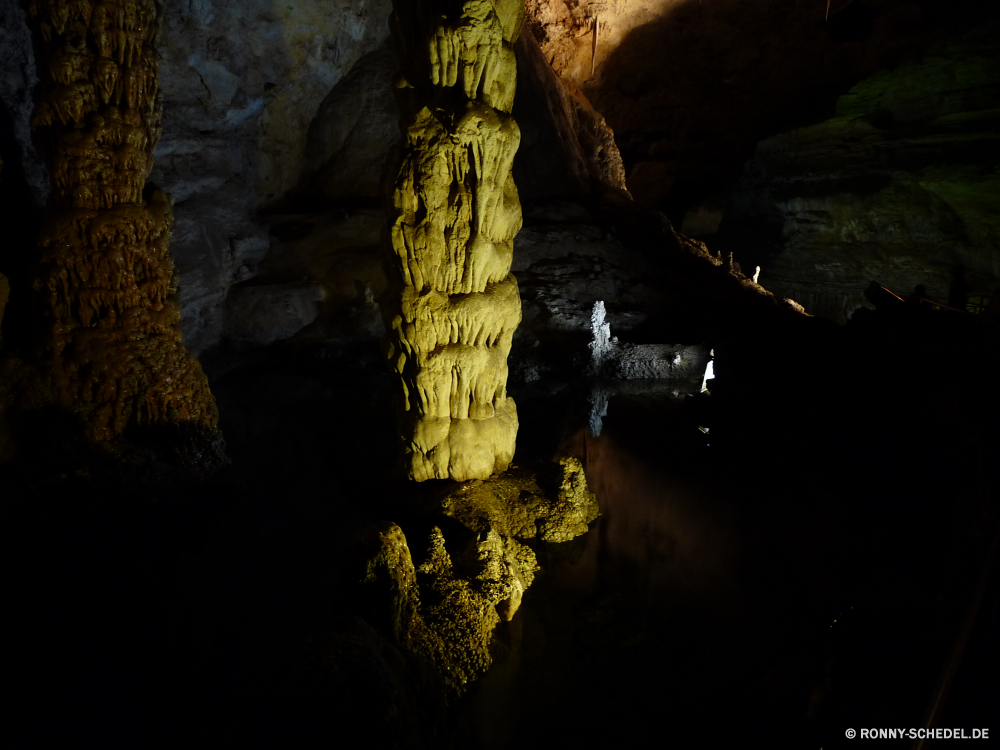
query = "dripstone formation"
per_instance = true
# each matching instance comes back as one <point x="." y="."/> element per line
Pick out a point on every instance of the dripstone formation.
<point x="444" y="608"/>
<point x="104" y="279"/>
<point x="454" y="212"/>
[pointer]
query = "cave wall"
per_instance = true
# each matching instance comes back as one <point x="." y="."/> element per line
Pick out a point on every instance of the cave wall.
<point x="901" y="186"/>
<point x="242" y="82"/>
<point x="278" y="119"/>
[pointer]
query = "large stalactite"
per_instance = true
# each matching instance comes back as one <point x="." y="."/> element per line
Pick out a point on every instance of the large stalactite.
<point x="454" y="212"/>
<point x="104" y="279"/>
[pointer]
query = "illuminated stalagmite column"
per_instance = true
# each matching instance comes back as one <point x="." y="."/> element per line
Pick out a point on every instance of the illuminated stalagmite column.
<point x="104" y="278"/>
<point x="454" y="212"/>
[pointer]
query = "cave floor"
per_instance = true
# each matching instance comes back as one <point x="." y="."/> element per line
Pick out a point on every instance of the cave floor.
<point x="780" y="577"/>
<point x="723" y="596"/>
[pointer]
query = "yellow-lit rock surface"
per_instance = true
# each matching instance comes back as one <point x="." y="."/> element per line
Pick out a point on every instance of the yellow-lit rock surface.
<point x="454" y="213"/>
<point x="445" y="609"/>
<point x="104" y="280"/>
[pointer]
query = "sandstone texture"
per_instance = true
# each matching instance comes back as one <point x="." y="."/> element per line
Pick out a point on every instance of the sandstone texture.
<point x="355" y="128"/>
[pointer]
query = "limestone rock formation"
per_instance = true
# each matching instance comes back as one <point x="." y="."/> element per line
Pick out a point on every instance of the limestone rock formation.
<point x="454" y="212"/>
<point x="18" y="82"/>
<point x="445" y="608"/>
<point x="4" y="296"/>
<point x="551" y="504"/>
<point x="242" y="83"/>
<point x="901" y="186"/>
<point x="104" y="279"/>
<point x="354" y="130"/>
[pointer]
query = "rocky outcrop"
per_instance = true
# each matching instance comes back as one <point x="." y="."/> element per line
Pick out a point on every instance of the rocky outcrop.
<point x="445" y="607"/>
<point x="453" y="212"/>
<point x="318" y="284"/>
<point x="104" y="280"/>
<point x="18" y="79"/>
<point x="683" y="366"/>
<point x="567" y="149"/>
<point x="564" y="268"/>
<point x="289" y="105"/>
<point x="900" y="187"/>
<point x="690" y="87"/>
<point x="242" y="84"/>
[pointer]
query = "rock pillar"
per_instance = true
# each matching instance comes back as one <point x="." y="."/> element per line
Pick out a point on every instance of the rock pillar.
<point x="104" y="279"/>
<point x="454" y="212"/>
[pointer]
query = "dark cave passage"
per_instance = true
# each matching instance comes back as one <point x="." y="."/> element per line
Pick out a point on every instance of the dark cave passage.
<point x="732" y="591"/>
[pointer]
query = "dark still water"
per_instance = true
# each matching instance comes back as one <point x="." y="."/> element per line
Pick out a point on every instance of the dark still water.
<point x="728" y="594"/>
<point x="801" y="568"/>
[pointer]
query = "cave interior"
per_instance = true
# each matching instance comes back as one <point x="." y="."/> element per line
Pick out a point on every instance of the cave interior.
<point x="759" y="293"/>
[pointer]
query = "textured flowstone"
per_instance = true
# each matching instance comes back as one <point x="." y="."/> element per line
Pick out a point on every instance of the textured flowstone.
<point x="104" y="279"/>
<point x="454" y="213"/>
<point x="446" y="608"/>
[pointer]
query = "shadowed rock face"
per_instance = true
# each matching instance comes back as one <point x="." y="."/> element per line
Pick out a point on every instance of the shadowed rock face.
<point x="901" y="186"/>
<point x="354" y="130"/>
<point x="444" y="603"/>
<point x="454" y="211"/>
<point x="688" y="86"/>
<point x="243" y="82"/>
<point x="111" y="343"/>
<point x="288" y="107"/>
<point x="4" y="296"/>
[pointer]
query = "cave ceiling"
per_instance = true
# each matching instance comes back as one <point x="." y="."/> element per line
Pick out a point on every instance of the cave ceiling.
<point x="278" y="120"/>
<point x="689" y="86"/>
